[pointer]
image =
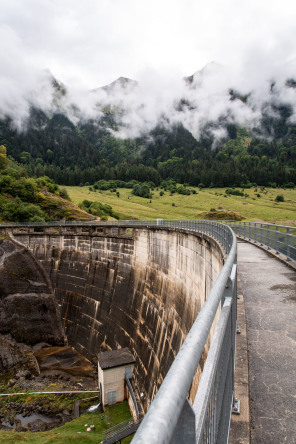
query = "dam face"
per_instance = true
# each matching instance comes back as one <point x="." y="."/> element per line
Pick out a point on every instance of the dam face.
<point x="140" y="288"/>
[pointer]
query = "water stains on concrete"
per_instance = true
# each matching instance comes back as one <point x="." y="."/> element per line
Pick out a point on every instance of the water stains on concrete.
<point x="139" y="288"/>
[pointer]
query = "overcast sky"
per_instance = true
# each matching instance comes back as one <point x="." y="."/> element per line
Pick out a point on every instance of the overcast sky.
<point x="93" y="42"/>
<point x="90" y="43"/>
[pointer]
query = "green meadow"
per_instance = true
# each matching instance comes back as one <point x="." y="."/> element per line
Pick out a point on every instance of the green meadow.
<point x="74" y="431"/>
<point x="257" y="204"/>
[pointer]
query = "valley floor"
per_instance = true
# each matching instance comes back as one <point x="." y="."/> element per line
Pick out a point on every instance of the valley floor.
<point x="256" y="203"/>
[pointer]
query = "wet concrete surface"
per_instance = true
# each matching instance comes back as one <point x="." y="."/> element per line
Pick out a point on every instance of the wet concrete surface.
<point x="269" y="289"/>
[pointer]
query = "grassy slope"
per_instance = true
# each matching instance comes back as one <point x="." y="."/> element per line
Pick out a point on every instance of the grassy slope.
<point x="191" y="207"/>
<point x="74" y="431"/>
<point x="59" y="208"/>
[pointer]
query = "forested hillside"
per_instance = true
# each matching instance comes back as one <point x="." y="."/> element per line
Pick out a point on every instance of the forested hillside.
<point x="23" y="199"/>
<point x="79" y="151"/>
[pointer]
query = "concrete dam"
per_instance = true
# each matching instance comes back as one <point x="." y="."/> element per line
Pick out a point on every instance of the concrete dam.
<point x="128" y="286"/>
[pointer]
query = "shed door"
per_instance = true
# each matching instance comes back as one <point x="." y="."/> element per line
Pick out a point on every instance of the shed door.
<point x="128" y="372"/>
<point x="111" y="398"/>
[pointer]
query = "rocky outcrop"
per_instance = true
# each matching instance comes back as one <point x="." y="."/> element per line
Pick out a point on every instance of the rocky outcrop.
<point x="14" y="355"/>
<point x="28" y="311"/>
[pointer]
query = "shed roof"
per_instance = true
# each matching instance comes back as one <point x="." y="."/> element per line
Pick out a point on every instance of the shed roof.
<point x="115" y="358"/>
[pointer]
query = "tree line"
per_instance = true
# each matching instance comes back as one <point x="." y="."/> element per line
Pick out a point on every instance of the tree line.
<point x="87" y="153"/>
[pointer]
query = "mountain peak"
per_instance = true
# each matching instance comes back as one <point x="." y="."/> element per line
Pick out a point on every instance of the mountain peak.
<point x="120" y="83"/>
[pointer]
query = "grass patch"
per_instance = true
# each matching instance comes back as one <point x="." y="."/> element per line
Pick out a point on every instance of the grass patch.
<point x="74" y="431"/>
<point x="195" y="206"/>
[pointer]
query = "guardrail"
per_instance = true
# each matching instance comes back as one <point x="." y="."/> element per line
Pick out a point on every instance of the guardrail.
<point x="171" y="418"/>
<point x="130" y="388"/>
<point x="120" y="431"/>
<point x="280" y="238"/>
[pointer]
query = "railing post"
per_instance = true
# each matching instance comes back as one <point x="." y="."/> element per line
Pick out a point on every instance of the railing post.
<point x="184" y="432"/>
<point x="268" y="237"/>
<point x="288" y="253"/>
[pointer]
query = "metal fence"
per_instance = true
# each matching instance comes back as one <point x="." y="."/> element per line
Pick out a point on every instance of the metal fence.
<point x="280" y="238"/>
<point x="171" y="418"/>
<point x="120" y="431"/>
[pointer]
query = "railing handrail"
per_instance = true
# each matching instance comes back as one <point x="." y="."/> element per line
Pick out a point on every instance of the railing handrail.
<point x="130" y="221"/>
<point x="257" y="222"/>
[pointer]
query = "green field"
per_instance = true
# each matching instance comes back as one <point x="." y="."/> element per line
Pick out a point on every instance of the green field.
<point x="195" y="206"/>
<point x="74" y="431"/>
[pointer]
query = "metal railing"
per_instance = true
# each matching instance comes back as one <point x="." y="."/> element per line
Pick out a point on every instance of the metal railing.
<point x="280" y="238"/>
<point x="120" y="431"/>
<point x="130" y="388"/>
<point x="171" y="418"/>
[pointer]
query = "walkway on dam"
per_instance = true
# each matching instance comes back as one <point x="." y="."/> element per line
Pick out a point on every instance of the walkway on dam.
<point x="269" y="290"/>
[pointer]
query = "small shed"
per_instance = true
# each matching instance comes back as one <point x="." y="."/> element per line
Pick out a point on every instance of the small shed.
<point x="113" y="366"/>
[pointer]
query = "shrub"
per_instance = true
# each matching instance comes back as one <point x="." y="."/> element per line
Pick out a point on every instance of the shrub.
<point x="48" y="183"/>
<point x="98" y="209"/>
<point x="64" y="194"/>
<point x="234" y="192"/>
<point x="141" y="190"/>
<point x="183" y="190"/>
<point x="279" y="198"/>
<point x="290" y="185"/>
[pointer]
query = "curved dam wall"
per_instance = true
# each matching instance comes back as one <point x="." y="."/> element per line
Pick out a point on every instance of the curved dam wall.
<point x="140" y="288"/>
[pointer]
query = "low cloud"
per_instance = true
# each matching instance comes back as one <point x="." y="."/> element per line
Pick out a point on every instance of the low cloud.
<point x="139" y="106"/>
<point x="85" y="43"/>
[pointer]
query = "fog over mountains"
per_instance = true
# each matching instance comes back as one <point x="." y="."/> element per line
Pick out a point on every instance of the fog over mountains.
<point x="214" y="127"/>
<point x="211" y="98"/>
